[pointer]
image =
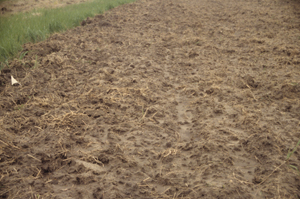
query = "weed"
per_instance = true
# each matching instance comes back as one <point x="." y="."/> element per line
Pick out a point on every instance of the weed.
<point x="88" y="14"/>
<point x="100" y="11"/>
<point x="22" y="55"/>
<point x="77" y="20"/>
<point x="142" y="111"/>
<point x="3" y="52"/>
<point x="109" y="6"/>
<point x="19" y="107"/>
<point x="6" y="63"/>
<point x="121" y="3"/>
<point x="295" y="168"/>
<point x="3" y="64"/>
<point x="55" y="26"/>
<point x="25" y="27"/>
<point x="36" y="64"/>
<point x="34" y="35"/>
<point x="294" y="83"/>
<point x="290" y="153"/>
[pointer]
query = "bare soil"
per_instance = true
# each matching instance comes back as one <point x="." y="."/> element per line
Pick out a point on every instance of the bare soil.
<point x="15" y="6"/>
<point x="158" y="99"/>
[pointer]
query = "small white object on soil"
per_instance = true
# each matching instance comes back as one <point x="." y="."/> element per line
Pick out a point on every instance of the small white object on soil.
<point x="14" y="81"/>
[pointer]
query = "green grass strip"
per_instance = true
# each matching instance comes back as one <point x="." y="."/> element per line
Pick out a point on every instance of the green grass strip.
<point x="37" y="25"/>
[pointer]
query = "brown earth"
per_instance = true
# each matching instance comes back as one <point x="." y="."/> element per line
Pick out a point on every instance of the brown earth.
<point x="158" y="99"/>
<point x="15" y="6"/>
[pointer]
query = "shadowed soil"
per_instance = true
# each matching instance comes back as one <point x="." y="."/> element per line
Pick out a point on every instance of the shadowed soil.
<point x="157" y="99"/>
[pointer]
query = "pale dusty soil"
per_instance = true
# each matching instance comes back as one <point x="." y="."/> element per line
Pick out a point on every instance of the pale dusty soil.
<point x="158" y="99"/>
<point x="16" y="6"/>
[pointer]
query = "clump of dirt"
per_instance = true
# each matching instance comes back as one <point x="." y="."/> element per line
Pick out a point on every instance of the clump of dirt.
<point x="157" y="99"/>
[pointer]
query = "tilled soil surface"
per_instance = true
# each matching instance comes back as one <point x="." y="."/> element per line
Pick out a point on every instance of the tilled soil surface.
<point x="158" y="99"/>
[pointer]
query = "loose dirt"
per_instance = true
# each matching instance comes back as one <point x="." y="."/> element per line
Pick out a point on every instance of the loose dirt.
<point x="158" y="99"/>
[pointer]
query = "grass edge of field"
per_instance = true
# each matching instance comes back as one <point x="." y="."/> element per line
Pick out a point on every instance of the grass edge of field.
<point x="37" y="25"/>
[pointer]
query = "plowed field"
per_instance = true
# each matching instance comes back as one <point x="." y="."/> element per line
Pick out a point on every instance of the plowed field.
<point x="158" y="99"/>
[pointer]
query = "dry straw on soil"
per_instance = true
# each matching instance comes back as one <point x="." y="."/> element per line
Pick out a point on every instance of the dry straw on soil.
<point x="157" y="99"/>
